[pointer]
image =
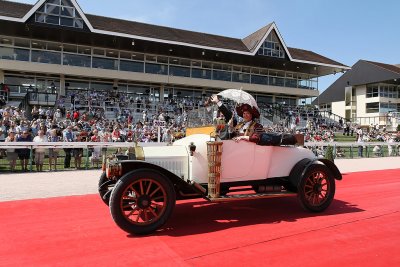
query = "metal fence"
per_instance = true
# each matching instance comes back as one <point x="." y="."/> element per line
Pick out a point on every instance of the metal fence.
<point x="66" y="156"/>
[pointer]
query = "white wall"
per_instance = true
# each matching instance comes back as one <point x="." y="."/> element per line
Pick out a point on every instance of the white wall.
<point x="339" y="108"/>
<point x="361" y="92"/>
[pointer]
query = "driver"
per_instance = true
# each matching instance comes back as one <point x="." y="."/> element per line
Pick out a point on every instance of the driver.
<point x="248" y="129"/>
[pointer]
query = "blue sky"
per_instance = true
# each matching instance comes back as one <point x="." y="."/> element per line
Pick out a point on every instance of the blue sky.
<point x="343" y="30"/>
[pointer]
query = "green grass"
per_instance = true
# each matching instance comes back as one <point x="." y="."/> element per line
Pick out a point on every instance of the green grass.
<point x="339" y="137"/>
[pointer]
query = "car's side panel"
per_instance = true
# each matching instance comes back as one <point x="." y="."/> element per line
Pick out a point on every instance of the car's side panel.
<point x="283" y="159"/>
<point x="244" y="161"/>
<point x="240" y="161"/>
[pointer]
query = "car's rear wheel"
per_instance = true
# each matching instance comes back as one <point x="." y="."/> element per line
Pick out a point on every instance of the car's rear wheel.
<point x="142" y="201"/>
<point x="317" y="188"/>
<point x="105" y="188"/>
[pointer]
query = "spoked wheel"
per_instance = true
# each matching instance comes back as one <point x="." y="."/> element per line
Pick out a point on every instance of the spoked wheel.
<point x="105" y="188"/>
<point x="142" y="201"/>
<point x="317" y="188"/>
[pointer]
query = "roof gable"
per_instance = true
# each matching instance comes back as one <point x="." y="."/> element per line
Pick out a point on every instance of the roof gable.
<point x="255" y="38"/>
<point x="17" y="9"/>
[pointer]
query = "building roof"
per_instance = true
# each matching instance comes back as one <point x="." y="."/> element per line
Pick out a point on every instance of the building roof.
<point x="312" y="57"/>
<point x="104" y="25"/>
<point x="392" y="68"/>
<point x="14" y="10"/>
<point x="165" y="33"/>
<point x="363" y="72"/>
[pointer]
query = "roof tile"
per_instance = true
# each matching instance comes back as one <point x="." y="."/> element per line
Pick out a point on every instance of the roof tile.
<point x="14" y="10"/>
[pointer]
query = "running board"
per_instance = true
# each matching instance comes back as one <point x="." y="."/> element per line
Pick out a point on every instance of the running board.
<point x="250" y="196"/>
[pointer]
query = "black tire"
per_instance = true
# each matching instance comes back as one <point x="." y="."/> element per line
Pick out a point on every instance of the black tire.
<point x="142" y="201"/>
<point x="317" y="188"/>
<point x="105" y="187"/>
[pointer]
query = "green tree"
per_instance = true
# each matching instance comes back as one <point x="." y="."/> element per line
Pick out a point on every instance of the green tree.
<point x="329" y="153"/>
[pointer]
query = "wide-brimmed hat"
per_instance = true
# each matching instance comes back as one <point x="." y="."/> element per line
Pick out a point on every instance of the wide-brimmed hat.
<point x="246" y="107"/>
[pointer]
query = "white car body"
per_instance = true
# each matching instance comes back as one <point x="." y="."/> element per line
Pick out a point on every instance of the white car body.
<point x="142" y="192"/>
<point x="240" y="160"/>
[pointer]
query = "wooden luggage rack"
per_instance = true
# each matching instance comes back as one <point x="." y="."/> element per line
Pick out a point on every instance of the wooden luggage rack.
<point x="214" y="156"/>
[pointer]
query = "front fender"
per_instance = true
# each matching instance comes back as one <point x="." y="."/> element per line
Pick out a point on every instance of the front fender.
<point x="301" y="167"/>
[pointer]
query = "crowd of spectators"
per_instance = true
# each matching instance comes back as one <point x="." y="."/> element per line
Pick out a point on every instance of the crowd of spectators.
<point x="80" y="117"/>
<point x="375" y="134"/>
<point x="64" y="125"/>
<point x="125" y="102"/>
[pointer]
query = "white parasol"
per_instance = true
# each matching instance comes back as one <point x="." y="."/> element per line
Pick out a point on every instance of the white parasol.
<point x="239" y="96"/>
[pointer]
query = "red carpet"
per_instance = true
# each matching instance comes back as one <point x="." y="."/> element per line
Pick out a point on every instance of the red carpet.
<point x="361" y="228"/>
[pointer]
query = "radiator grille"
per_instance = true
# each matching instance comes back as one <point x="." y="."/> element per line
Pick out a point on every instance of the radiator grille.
<point x="176" y="167"/>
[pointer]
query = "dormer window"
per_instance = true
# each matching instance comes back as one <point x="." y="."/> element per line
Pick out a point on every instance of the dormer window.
<point x="59" y="12"/>
<point x="272" y="47"/>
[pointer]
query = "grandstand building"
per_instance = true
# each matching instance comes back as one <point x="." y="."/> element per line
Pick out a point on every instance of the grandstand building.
<point x="367" y="94"/>
<point x="52" y="49"/>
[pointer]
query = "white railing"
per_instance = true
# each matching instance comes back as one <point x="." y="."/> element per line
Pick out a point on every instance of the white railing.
<point x="106" y="148"/>
<point x="34" y="145"/>
<point x="353" y="149"/>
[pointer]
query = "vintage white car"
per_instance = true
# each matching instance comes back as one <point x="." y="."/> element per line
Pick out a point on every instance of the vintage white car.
<point x="141" y="193"/>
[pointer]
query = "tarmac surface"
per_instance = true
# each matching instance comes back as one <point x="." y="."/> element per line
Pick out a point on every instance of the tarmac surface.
<point x="68" y="183"/>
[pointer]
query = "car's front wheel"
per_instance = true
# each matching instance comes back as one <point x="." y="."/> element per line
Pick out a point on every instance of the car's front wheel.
<point x="317" y="188"/>
<point x="142" y="201"/>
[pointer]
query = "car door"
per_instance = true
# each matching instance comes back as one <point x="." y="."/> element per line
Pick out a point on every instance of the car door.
<point x="238" y="160"/>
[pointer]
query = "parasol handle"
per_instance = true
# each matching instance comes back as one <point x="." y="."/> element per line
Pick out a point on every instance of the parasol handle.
<point x="215" y="134"/>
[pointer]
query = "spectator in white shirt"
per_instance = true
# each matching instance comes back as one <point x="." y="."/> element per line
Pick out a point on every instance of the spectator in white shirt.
<point x="57" y="115"/>
<point x="39" y="152"/>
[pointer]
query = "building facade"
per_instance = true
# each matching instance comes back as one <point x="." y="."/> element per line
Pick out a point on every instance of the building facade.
<point x="368" y="94"/>
<point x="54" y="48"/>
